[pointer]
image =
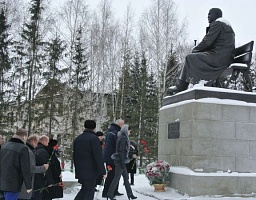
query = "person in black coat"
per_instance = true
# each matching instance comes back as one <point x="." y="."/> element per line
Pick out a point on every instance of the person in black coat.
<point x="131" y="166"/>
<point x="45" y="180"/>
<point x="109" y="149"/>
<point x="56" y="191"/>
<point x="99" y="180"/>
<point x="15" y="166"/>
<point x="88" y="161"/>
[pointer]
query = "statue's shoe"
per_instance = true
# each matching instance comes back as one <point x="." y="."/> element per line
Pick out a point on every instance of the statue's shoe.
<point x="180" y="86"/>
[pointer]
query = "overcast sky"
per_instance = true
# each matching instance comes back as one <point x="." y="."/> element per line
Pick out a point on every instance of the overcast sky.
<point x="240" y="13"/>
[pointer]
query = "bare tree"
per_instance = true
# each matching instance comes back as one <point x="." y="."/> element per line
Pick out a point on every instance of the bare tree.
<point x="74" y="21"/>
<point x="159" y="32"/>
<point x="105" y="54"/>
<point x="128" y="43"/>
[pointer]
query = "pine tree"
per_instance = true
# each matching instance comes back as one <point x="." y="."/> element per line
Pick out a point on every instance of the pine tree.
<point x="125" y="82"/>
<point x="31" y="42"/>
<point x="5" y="64"/>
<point x="79" y="76"/>
<point x="171" y="70"/>
<point x="50" y="99"/>
<point x="150" y="117"/>
<point x="139" y="92"/>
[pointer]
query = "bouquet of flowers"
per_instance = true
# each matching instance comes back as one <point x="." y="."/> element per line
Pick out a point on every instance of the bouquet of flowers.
<point x="158" y="172"/>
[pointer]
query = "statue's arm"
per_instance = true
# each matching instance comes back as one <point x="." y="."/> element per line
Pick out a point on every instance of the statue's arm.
<point x="209" y="38"/>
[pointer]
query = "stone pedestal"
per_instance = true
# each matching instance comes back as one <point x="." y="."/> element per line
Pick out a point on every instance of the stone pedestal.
<point x="216" y="132"/>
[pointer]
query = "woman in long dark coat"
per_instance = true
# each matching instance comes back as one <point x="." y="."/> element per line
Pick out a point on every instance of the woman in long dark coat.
<point x="131" y="166"/>
<point x="56" y="191"/>
<point x="120" y="159"/>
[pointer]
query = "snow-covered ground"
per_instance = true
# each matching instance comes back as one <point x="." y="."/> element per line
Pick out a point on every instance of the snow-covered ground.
<point x="144" y="191"/>
<point x="141" y="189"/>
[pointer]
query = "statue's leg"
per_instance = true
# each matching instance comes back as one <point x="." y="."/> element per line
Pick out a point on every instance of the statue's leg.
<point x="184" y="73"/>
<point x="180" y="86"/>
<point x="182" y="83"/>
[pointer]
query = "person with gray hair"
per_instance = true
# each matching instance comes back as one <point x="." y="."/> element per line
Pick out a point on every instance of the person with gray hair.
<point x="211" y="56"/>
<point x="14" y="166"/>
<point x="121" y="157"/>
<point x="109" y="149"/>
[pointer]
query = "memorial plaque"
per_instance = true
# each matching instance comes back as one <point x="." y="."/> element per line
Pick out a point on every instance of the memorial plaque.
<point x="173" y="130"/>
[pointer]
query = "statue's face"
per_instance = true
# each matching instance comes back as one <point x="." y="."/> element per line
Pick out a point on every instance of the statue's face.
<point x="212" y="16"/>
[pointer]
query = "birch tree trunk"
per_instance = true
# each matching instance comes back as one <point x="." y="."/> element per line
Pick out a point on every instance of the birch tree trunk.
<point x="73" y="16"/>
<point x="159" y="30"/>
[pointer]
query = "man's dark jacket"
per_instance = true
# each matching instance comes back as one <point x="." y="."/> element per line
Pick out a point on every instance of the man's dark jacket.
<point x="42" y="157"/>
<point x="110" y="143"/>
<point x="14" y="166"/>
<point x="87" y="156"/>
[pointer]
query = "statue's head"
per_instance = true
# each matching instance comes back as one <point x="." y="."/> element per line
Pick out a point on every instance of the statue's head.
<point x="214" y="13"/>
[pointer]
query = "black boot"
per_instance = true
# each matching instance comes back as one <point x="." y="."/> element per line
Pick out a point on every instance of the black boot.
<point x="180" y="86"/>
<point x="132" y="197"/>
<point x="111" y="198"/>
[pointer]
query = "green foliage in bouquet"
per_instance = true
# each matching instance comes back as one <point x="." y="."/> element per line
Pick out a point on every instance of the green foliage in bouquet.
<point x="158" y="172"/>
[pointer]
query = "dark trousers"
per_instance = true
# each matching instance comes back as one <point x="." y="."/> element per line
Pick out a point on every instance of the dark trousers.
<point x="118" y="173"/>
<point x="109" y="179"/>
<point x="87" y="190"/>
<point x="132" y="178"/>
<point x="38" y="195"/>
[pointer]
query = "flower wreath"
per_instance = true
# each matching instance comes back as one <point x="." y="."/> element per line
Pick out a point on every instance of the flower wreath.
<point x="158" y="172"/>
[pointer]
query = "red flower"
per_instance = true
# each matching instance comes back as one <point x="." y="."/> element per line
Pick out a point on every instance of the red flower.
<point x="143" y="142"/>
<point x="56" y="147"/>
<point x="109" y="168"/>
<point x="146" y="149"/>
<point x="61" y="184"/>
<point x="158" y="172"/>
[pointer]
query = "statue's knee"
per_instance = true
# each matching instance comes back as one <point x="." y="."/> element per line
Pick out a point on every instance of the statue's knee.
<point x="189" y="56"/>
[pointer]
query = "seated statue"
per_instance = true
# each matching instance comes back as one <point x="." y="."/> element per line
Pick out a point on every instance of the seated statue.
<point x="211" y="56"/>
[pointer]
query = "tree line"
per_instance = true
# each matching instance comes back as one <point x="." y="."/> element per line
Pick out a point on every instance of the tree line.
<point x="61" y="65"/>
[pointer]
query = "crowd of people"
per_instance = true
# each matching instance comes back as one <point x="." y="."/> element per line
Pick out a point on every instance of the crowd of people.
<point x="29" y="168"/>
<point x="97" y="162"/>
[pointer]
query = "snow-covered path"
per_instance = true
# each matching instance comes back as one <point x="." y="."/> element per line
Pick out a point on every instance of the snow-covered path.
<point x="143" y="191"/>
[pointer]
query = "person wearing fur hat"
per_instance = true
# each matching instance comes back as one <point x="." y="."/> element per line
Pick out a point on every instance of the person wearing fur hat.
<point x="88" y="161"/>
<point x="121" y="157"/>
<point x="211" y="56"/>
<point x="100" y="134"/>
